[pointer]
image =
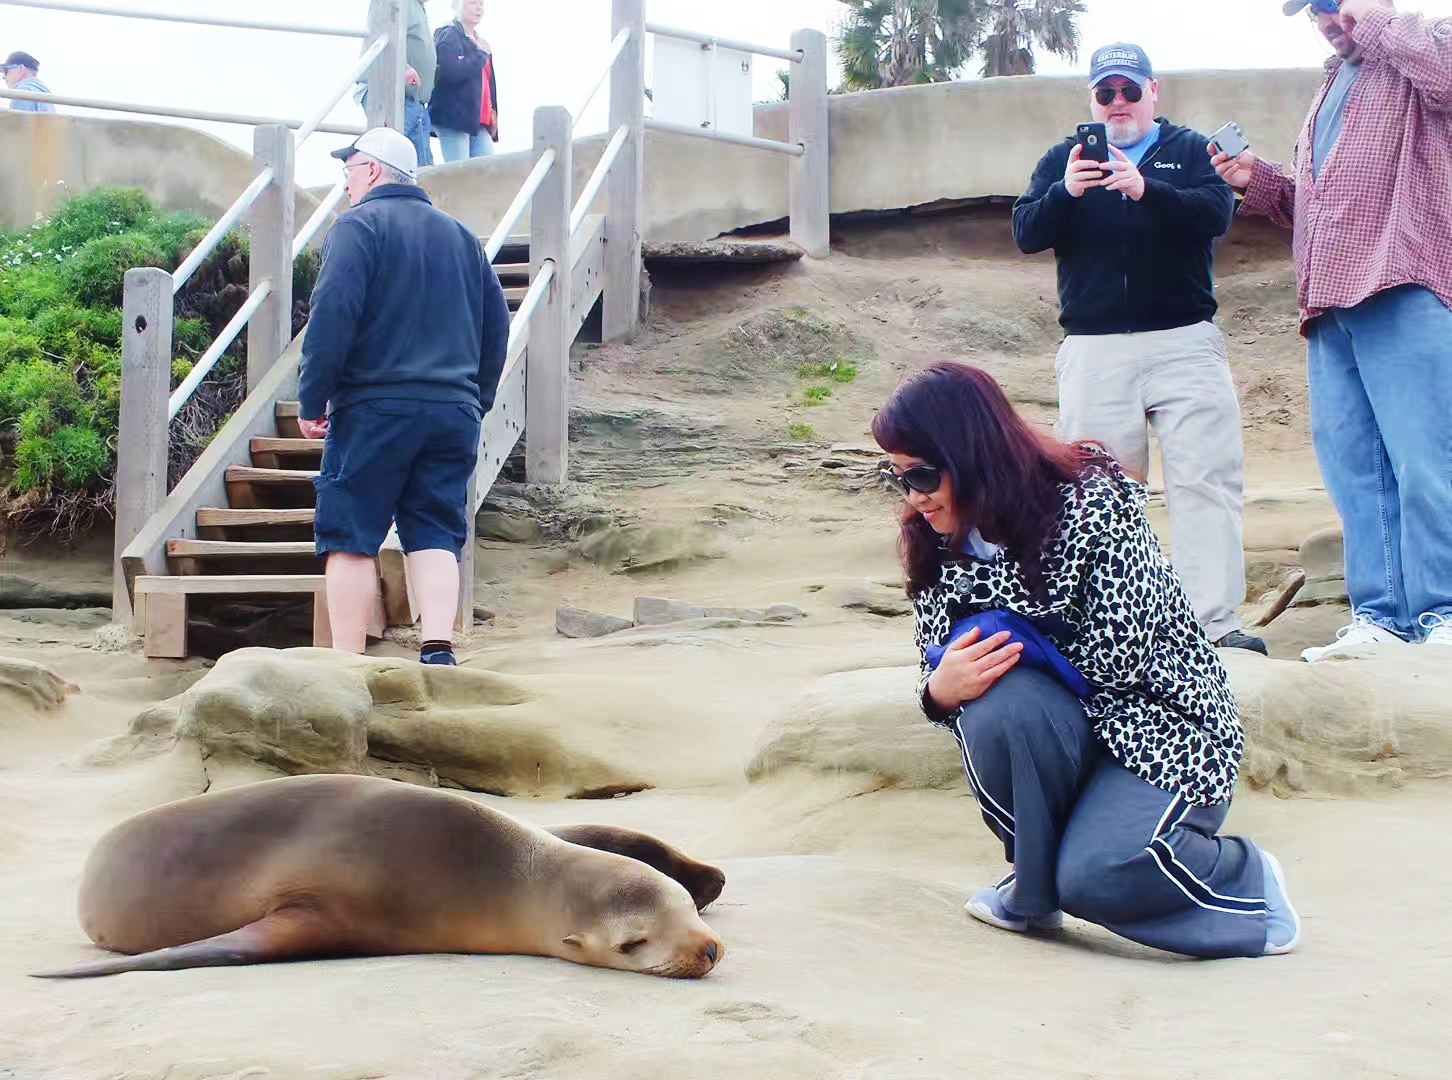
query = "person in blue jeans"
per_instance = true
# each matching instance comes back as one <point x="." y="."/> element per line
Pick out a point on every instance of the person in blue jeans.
<point x="1368" y="199"/>
<point x="401" y="362"/>
<point x="1097" y="728"/>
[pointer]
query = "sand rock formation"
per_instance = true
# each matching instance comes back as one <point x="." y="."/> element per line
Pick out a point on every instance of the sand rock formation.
<point x="859" y="721"/>
<point x="1378" y="718"/>
<point x="314" y="710"/>
<point x="1374" y="720"/>
<point x="35" y="686"/>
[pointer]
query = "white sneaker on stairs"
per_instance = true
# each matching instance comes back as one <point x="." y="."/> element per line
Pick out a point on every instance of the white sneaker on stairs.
<point x="1361" y="632"/>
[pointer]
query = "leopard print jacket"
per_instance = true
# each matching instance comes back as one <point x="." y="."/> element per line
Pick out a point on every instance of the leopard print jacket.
<point x="1160" y="697"/>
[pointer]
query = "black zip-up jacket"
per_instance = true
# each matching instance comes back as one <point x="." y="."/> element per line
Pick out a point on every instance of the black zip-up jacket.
<point x="1124" y="266"/>
<point x="459" y="85"/>
<point x="406" y="306"/>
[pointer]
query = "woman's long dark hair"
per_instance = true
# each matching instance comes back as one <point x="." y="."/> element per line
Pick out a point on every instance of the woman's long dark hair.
<point x="1007" y="478"/>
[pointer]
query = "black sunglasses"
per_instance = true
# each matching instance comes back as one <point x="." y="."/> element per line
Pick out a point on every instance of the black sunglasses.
<point x="924" y="479"/>
<point x="1105" y="94"/>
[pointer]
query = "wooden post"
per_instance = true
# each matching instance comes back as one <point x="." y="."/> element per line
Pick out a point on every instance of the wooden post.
<point x="384" y="104"/>
<point x="810" y="201"/>
<point x="273" y="226"/>
<point x="142" y="440"/>
<point x="624" y="214"/>
<point x="547" y="376"/>
<point x="464" y="623"/>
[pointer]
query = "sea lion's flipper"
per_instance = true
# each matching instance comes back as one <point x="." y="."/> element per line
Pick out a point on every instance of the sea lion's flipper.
<point x="703" y="881"/>
<point x="289" y="933"/>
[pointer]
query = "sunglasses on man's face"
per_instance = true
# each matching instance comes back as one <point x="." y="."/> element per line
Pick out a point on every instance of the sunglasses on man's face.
<point x="924" y="479"/>
<point x="1105" y="94"/>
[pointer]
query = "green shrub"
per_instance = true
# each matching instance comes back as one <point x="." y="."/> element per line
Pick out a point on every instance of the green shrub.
<point x="61" y="285"/>
<point x="801" y="432"/>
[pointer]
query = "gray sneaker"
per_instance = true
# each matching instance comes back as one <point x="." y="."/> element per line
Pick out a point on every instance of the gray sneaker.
<point x="986" y="905"/>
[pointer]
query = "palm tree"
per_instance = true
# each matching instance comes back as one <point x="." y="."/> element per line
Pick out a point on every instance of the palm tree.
<point x="901" y="42"/>
<point x="1014" y="27"/>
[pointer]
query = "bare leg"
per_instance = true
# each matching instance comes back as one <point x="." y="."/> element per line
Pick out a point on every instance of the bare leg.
<point x="352" y="582"/>
<point x="434" y="575"/>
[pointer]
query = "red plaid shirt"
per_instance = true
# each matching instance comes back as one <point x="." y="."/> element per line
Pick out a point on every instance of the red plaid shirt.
<point x="1380" y="214"/>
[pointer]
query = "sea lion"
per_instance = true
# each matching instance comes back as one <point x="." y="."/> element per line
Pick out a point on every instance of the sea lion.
<point x="320" y="866"/>
<point x="703" y="881"/>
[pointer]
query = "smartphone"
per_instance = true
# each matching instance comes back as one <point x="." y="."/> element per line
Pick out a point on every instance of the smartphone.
<point x="1230" y="140"/>
<point x="1093" y="141"/>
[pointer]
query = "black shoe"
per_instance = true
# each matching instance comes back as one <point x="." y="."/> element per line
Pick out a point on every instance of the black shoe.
<point x="1239" y="639"/>
<point x="437" y="652"/>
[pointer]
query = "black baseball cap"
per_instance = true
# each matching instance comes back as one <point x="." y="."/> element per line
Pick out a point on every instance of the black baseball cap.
<point x="20" y="59"/>
<point x="1120" y="59"/>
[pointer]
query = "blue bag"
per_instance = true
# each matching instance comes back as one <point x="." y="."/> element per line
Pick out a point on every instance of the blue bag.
<point x="1038" y="651"/>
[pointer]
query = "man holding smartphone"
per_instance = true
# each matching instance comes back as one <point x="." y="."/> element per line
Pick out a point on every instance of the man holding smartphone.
<point x="1133" y="237"/>
<point x="1370" y="200"/>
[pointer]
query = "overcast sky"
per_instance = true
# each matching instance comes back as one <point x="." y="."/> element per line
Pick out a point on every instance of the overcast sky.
<point x="548" y="51"/>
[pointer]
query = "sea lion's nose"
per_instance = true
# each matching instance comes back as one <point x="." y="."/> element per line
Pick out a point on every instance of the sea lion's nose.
<point x="711" y="952"/>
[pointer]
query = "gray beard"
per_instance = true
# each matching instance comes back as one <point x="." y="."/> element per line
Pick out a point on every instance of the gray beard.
<point x="1122" y="135"/>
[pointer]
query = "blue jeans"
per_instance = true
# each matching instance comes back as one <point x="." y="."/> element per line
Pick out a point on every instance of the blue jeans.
<point x="461" y="146"/>
<point x="1381" y="418"/>
<point x="417" y="126"/>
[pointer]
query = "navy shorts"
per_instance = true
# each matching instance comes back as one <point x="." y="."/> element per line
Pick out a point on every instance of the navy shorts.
<point x="391" y="459"/>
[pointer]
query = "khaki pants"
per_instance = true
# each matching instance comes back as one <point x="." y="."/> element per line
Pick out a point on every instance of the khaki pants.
<point x="1179" y="381"/>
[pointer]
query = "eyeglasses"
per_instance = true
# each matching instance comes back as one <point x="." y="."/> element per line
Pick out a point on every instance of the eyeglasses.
<point x="1105" y="94"/>
<point x="924" y="479"/>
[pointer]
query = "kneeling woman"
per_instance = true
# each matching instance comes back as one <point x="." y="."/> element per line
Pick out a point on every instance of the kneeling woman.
<point x="1095" y="720"/>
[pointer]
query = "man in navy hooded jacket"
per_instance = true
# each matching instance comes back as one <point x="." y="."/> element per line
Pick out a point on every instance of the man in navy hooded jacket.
<point x="1134" y="245"/>
<point x="402" y="358"/>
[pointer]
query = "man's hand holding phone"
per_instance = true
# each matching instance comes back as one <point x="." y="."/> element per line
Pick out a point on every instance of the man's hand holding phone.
<point x="1082" y="173"/>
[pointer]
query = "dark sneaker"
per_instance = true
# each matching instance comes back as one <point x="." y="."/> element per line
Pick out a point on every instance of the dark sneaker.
<point x="437" y="652"/>
<point x="1239" y="639"/>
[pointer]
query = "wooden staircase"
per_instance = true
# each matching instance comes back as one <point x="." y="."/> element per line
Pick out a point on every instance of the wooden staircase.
<point x="259" y="545"/>
<point x="240" y="523"/>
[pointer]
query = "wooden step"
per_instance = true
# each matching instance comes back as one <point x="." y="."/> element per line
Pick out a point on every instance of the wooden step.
<point x="161" y="604"/>
<point x="217" y="518"/>
<point x="250" y="488"/>
<point x="196" y="557"/>
<point x="511" y="270"/>
<point x="285" y="413"/>
<point x="270" y="453"/>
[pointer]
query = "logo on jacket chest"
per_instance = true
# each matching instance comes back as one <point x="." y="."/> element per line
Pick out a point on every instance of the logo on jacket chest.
<point x="1167" y="164"/>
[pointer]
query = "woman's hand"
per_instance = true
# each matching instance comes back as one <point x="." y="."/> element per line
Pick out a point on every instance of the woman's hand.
<point x="970" y="667"/>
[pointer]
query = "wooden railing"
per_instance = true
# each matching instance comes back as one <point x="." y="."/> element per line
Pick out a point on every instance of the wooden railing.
<point x="575" y="256"/>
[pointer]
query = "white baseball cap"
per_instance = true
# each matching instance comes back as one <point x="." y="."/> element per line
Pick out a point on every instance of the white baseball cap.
<point x="387" y="146"/>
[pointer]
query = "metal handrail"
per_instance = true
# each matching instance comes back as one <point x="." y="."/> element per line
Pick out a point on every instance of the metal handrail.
<point x="326" y="207"/>
<point x="791" y="149"/>
<point x="246" y="119"/>
<point x="224" y="224"/>
<point x="519" y="326"/>
<point x="355" y="73"/>
<point x="794" y="55"/>
<point x="598" y="177"/>
<point x="204" y="20"/>
<point x="500" y="235"/>
<point x="182" y="393"/>
<point x="616" y="48"/>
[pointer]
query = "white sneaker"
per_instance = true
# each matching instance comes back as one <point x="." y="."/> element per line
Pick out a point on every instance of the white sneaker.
<point x="1440" y="627"/>
<point x="1361" y="632"/>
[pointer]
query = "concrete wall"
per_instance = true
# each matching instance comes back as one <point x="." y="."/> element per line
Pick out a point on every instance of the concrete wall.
<point x="49" y="156"/>
<point x="891" y="149"/>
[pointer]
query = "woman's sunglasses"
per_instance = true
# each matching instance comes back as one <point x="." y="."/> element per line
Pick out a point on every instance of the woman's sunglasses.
<point x="1105" y="94"/>
<point x="924" y="479"/>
